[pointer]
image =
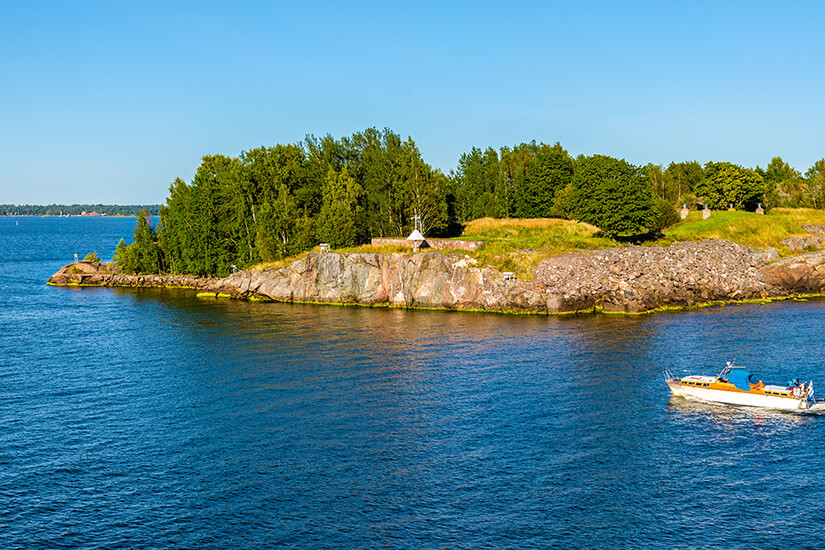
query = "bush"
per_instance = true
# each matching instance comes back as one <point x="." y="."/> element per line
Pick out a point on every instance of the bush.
<point x="613" y="195"/>
<point x="92" y="257"/>
<point x="665" y="214"/>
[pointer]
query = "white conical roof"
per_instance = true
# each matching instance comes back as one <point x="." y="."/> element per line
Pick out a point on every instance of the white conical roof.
<point x="415" y="236"/>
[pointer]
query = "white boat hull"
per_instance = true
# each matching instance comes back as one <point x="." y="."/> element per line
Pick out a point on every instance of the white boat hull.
<point x="739" y="397"/>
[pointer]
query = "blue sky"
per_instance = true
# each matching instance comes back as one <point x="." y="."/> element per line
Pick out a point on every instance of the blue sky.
<point x="111" y="101"/>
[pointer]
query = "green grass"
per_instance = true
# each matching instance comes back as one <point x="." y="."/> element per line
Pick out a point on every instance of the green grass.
<point x="518" y="245"/>
<point x="747" y="228"/>
<point x="278" y="263"/>
<point x="548" y="234"/>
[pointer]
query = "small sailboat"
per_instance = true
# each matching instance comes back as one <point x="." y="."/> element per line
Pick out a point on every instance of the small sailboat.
<point x="738" y="386"/>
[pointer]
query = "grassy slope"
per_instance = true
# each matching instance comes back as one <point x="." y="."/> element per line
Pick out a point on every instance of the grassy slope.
<point x="747" y="228"/>
<point x="517" y="245"/>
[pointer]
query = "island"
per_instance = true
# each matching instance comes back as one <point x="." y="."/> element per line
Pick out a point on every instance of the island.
<point x="633" y="279"/>
<point x="525" y="229"/>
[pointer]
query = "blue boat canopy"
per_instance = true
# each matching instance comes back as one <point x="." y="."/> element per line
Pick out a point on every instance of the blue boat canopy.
<point x="740" y="378"/>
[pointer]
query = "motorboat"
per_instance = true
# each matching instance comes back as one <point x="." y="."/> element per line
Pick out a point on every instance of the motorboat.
<point x="738" y="386"/>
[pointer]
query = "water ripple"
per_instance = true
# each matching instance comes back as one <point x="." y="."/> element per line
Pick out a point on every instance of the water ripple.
<point x="150" y="418"/>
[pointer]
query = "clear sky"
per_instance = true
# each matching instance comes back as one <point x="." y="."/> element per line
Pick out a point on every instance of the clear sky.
<point x="109" y="102"/>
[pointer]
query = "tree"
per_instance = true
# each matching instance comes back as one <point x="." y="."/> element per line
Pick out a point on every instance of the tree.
<point x="480" y="187"/>
<point x="336" y="222"/>
<point x="276" y="226"/>
<point x="514" y="171"/>
<point x="125" y="257"/>
<point x="787" y="185"/>
<point x="731" y="185"/>
<point x="815" y="177"/>
<point x="665" y="184"/>
<point x="613" y="195"/>
<point x="550" y="170"/>
<point x="143" y="255"/>
<point x="423" y="192"/>
<point x="685" y="176"/>
<point x="537" y="172"/>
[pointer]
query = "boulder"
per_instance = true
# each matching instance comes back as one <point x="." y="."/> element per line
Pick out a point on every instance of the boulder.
<point x="798" y="244"/>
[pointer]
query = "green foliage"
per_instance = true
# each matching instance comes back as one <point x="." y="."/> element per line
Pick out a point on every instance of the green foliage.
<point x="612" y="195"/>
<point x="726" y="184"/>
<point x="480" y="188"/>
<point x="144" y="254"/>
<point x="815" y="179"/>
<point x="746" y="228"/>
<point x="125" y="258"/>
<point x="91" y="257"/>
<point x="272" y="203"/>
<point x="682" y="178"/>
<point x="785" y="186"/>
<point x="665" y="214"/>
<point x="336" y="222"/>
<point x="550" y="170"/>
<point x="528" y="181"/>
<point x="676" y="183"/>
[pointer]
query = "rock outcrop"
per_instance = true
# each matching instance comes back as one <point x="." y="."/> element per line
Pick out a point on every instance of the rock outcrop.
<point x="803" y="274"/>
<point x="630" y="280"/>
<point x="96" y="274"/>
<point x="422" y="280"/>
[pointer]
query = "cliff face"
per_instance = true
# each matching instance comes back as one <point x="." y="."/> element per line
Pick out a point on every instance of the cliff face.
<point x="630" y="280"/>
<point x="423" y="280"/>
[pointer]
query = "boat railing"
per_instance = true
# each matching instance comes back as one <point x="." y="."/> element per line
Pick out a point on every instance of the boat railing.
<point x="727" y="369"/>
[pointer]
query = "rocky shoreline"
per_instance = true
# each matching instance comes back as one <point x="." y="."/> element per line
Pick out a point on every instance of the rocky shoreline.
<point x="632" y="279"/>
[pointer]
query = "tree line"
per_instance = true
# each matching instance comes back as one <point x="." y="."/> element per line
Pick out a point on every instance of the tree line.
<point x="77" y="209"/>
<point x="273" y="202"/>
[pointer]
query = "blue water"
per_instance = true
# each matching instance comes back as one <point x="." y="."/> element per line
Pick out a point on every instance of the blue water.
<point x="154" y="419"/>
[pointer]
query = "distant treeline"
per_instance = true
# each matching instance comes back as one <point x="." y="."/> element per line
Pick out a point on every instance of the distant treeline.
<point x="274" y="202"/>
<point x="77" y="209"/>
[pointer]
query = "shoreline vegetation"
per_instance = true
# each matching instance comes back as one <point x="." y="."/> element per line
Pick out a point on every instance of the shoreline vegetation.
<point x="273" y="203"/>
<point x="628" y="238"/>
<point x="562" y="274"/>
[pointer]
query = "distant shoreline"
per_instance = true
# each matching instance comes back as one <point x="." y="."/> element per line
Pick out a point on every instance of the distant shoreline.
<point x="68" y="215"/>
<point x="77" y="210"/>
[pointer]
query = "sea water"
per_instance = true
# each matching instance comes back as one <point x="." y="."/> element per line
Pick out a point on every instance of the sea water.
<point x="142" y="418"/>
